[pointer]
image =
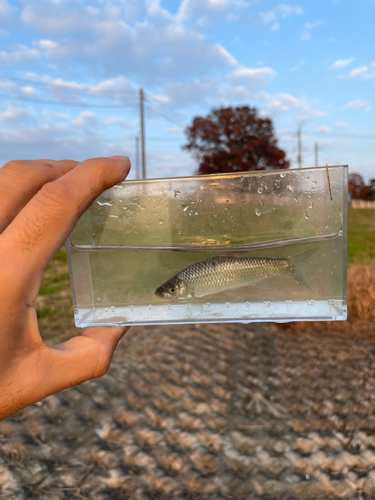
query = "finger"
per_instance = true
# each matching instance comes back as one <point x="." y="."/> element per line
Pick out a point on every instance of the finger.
<point x="20" y="180"/>
<point x="86" y="356"/>
<point x="66" y="365"/>
<point x="43" y="225"/>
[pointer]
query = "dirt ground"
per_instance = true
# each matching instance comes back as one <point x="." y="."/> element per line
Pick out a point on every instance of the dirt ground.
<point x="204" y="412"/>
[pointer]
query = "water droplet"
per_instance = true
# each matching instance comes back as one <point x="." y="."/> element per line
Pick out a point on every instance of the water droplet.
<point x="341" y="232"/>
<point x="311" y="205"/>
<point x="247" y="304"/>
<point x="105" y="203"/>
<point x="75" y="311"/>
<point x="185" y="207"/>
<point x="244" y="203"/>
<point x="288" y="302"/>
<point x="257" y="211"/>
<point x="260" y="190"/>
<point x="227" y="201"/>
<point x="106" y="310"/>
<point x="169" y="307"/>
<point x="283" y="174"/>
<point x="113" y="309"/>
<point x="306" y="214"/>
<point x="290" y="188"/>
<point x="149" y="308"/>
<point x="267" y="303"/>
<point x="261" y="202"/>
<point x="161" y="221"/>
<point x="227" y="304"/>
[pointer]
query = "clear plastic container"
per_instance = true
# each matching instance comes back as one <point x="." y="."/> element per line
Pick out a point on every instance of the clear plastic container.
<point x="139" y="234"/>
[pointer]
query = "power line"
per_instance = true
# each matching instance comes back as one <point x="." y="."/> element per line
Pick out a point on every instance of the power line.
<point x="64" y="103"/>
<point x="66" y="88"/>
<point x="156" y="109"/>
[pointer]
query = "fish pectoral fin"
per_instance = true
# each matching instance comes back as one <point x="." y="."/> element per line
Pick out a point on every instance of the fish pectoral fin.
<point x="261" y="284"/>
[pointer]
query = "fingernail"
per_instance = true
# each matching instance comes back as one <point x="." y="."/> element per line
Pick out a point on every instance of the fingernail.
<point x="119" y="157"/>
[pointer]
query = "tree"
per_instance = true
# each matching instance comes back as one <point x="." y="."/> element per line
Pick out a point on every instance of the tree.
<point x="371" y="190"/>
<point x="357" y="186"/>
<point x="234" y="140"/>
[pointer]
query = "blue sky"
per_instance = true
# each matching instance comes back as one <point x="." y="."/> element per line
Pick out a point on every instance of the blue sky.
<point x="70" y="73"/>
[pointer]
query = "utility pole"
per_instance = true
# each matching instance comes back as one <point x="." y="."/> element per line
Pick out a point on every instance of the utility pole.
<point x="141" y="99"/>
<point x="299" y="147"/>
<point x="316" y="154"/>
<point x="137" y="156"/>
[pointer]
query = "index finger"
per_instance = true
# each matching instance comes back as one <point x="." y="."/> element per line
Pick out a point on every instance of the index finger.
<point x="20" y="180"/>
<point x="40" y="229"/>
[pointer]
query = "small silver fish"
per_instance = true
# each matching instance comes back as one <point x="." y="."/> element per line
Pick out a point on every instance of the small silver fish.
<point x="216" y="274"/>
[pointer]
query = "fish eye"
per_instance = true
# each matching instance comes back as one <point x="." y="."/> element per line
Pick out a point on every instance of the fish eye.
<point x="172" y="290"/>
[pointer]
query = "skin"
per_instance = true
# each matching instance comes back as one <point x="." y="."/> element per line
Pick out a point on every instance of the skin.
<point x="40" y="203"/>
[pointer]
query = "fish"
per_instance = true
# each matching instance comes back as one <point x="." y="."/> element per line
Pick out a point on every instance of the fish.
<point x="225" y="272"/>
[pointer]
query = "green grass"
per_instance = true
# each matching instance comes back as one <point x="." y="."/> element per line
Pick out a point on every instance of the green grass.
<point x="361" y="234"/>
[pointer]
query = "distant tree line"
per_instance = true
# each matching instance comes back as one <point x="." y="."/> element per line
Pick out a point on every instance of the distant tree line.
<point x="358" y="188"/>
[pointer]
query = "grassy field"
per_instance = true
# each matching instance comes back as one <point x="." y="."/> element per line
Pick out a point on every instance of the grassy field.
<point x="361" y="234"/>
<point x="54" y="304"/>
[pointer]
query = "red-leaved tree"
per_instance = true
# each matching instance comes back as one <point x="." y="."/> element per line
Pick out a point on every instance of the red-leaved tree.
<point x="234" y="140"/>
<point x="357" y="186"/>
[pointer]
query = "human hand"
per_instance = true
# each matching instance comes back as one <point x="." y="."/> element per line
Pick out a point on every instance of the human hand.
<point x="40" y="203"/>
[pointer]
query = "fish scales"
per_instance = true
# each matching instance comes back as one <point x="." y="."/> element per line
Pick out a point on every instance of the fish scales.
<point x="221" y="273"/>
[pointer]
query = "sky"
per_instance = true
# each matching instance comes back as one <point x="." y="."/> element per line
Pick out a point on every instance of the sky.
<point x="71" y="70"/>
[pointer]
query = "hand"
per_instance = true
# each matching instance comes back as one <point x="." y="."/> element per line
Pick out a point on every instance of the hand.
<point x="40" y="203"/>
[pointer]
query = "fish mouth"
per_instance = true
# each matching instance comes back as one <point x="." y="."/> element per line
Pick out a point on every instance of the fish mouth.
<point x="160" y="292"/>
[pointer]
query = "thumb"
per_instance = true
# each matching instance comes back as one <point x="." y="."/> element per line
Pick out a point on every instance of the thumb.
<point x="84" y="357"/>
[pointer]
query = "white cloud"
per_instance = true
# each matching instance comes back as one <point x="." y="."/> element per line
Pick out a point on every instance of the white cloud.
<point x="5" y="10"/>
<point x="287" y="103"/>
<point x="361" y="71"/>
<point x="342" y="63"/>
<point x="307" y="27"/>
<point x="154" y="48"/>
<point x="341" y="124"/>
<point x="116" y="120"/>
<point x="324" y="129"/>
<point x="358" y="104"/>
<point x="84" y="119"/>
<point x="271" y="17"/>
<point x="18" y="54"/>
<point x="12" y="114"/>
<point x="254" y="76"/>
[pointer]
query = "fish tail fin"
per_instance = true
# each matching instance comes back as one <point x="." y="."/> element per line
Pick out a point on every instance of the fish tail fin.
<point x="298" y="270"/>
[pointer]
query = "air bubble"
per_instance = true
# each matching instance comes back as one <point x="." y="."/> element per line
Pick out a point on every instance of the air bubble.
<point x="311" y="205"/>
<point x="105" y="203"/>
<point x="113" y="309"/>
<point x="75" y="311"/>
<point x="106" y="310"/>
<point x="257" y="211"/>
<point x="227" y="201"/>
<point x="227" y="304"/>
<point x="247" y="304"/>
<point x="260" y="190"/>
<point x="283" y="174"/>
<point x="290" y="188"/>
<point x="306" y="214"/>
<point x="267" y="303"/>
<point x="161" y="221"/>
